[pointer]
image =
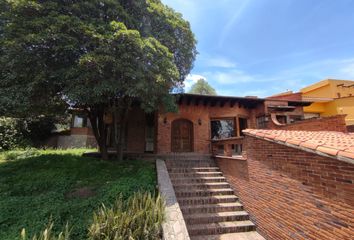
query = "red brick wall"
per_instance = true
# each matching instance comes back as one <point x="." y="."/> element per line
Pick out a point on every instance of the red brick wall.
<point x="136" y="130"/>
<point x="333" y="123"/>
<point x="201" y="133"/>
<point x="81" y="131"/>
<point x="292" y="194"/>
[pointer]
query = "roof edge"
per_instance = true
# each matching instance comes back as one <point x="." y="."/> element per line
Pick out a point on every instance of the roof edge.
<point x="319" y="150"/>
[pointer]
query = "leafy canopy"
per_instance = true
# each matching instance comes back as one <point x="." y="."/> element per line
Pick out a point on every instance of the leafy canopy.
<point x="202" y="87"/>
<point x="89" y="52"/>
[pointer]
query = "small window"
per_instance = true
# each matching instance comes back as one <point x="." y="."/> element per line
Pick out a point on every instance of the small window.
<point x="78" y="121"/>
<point x="282" y="119"/>
<point x="222" y="128"/>
<point x="338" y="95"/>
<point x="242" y="124"/>
<point x="261" y="122"/>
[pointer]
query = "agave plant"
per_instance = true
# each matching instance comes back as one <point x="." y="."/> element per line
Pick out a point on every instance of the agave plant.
<point x="48" y="234"/>
<point x="140" y="217"/>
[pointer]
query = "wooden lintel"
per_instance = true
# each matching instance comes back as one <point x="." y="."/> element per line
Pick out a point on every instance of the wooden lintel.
<point x="213" y="103"/>
<point x="189" y="100"/>
<point x="196" y="102"/>
<point x="180" y="100"/>
<point x="205" y="102"/>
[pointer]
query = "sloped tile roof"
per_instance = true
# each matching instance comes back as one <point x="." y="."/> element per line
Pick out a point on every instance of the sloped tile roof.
<point x="332" y="144"/>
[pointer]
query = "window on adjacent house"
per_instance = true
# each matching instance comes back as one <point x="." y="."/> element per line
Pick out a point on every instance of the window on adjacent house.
<point x="222" y="128"/>
<point x="261" y="122"/>
<point x="282" y="119"/>
<point x="78" y="121"/>
<point x="243" y="124"/>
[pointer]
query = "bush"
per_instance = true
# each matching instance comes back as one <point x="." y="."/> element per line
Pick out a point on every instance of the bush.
<point x="140" y="217"/>
<point x="18" y="133"/>
<point x="47" y="234"/>
<point x="10" y="134"/>
<point x="38" y="129"/>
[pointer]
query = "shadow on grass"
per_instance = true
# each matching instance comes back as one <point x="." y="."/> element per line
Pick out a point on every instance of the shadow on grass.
<point x="34" y="188"/>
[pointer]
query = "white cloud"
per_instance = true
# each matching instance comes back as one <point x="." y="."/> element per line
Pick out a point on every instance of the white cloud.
<point x="234" y="19"/>
<point x="191" y="79"/>
<point x="237" y="82"/>
<point x="218" y="62"/>
<point x="347" y="71"/>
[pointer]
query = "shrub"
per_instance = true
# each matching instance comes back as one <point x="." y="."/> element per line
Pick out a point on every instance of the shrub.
<point x="38" y="129"/>
<point x="10" y="134"/>
<point x="47" y="234"/>
<point x="140" y="217"/>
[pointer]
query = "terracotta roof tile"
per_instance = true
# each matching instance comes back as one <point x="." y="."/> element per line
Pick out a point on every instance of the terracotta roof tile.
<point x="336" y="144"/>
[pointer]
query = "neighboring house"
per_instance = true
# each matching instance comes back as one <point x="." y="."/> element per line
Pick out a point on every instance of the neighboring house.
<point x="330" y="97"/>
<point x="200" y="119"/>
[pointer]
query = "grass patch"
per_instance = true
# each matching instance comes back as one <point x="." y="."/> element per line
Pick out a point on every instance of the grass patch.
<point x="59" y="185"/>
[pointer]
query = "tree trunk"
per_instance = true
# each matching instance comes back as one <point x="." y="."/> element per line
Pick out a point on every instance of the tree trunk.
<point x="99" y="129"/>
<point x="121" y="110"/>
<point x="119" y="130"/>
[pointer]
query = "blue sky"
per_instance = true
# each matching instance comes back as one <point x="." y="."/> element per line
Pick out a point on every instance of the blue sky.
<point x="262" y="47"/>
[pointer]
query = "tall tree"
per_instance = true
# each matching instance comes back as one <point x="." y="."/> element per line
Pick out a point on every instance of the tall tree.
<point x="202" y="87"/>
<point x="99" y="55"/>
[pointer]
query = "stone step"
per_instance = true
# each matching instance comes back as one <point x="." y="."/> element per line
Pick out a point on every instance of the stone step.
<point x="198" y="180"/>
<point x="190" y="159"/>
<point x="194" y="169"/>
<point x="252" y="235"/>
<point x="207" y="200"/>
<point x="212" y="208"/>
<point x="216" y="217"/>
<point x="221" y="227"/>
<point x="216" y="185"/>
<point x="203" y="192"/>
<point x="190" y="165"/>
<point x="195" y="174"/>
<point x="178" y="157"/>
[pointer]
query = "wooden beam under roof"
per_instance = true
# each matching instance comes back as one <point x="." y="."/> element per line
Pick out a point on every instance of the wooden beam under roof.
<point x="189" y="100"/>
<point x="180" y="100"/>
<point x="206" y="101"/>
<point x="196" y="101"/>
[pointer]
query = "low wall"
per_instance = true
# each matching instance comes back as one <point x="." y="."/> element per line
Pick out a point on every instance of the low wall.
<point x="76" y="141"/>
<point x="333" y="123"/>
<point x="292" y="194"/>
<point x="174" y="226"/>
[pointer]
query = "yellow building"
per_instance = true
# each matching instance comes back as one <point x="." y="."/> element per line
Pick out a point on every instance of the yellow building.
<point x="330" y="97"/>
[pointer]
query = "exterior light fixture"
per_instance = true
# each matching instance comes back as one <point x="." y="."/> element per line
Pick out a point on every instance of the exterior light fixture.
<point x="200" y="121"/>
<point x="164" y="120"/>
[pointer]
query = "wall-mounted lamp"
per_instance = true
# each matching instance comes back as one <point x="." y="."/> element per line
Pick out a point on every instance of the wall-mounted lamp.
<point x="165" y="120"/>
<point x="200" y="121"/>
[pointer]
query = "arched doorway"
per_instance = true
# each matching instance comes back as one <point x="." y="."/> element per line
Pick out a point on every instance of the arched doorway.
<point x="182" y="136"/>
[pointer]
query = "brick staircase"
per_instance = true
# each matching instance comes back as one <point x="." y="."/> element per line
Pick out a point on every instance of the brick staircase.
<point x="209" y="206"/>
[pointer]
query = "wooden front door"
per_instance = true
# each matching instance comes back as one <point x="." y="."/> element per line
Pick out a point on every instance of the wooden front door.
<point x="182" y="136"/>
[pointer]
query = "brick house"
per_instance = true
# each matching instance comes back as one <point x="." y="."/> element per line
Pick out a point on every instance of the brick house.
<point x="273" y="174"/>
<point x="200" y="119"/>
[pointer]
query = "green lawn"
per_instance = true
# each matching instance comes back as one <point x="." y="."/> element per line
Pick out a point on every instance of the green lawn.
<point x="37" y="185"/>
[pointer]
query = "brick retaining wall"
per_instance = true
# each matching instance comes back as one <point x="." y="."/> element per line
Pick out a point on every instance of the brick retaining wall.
<point x="333" y="123"/>
<point x="292" y="194"/>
